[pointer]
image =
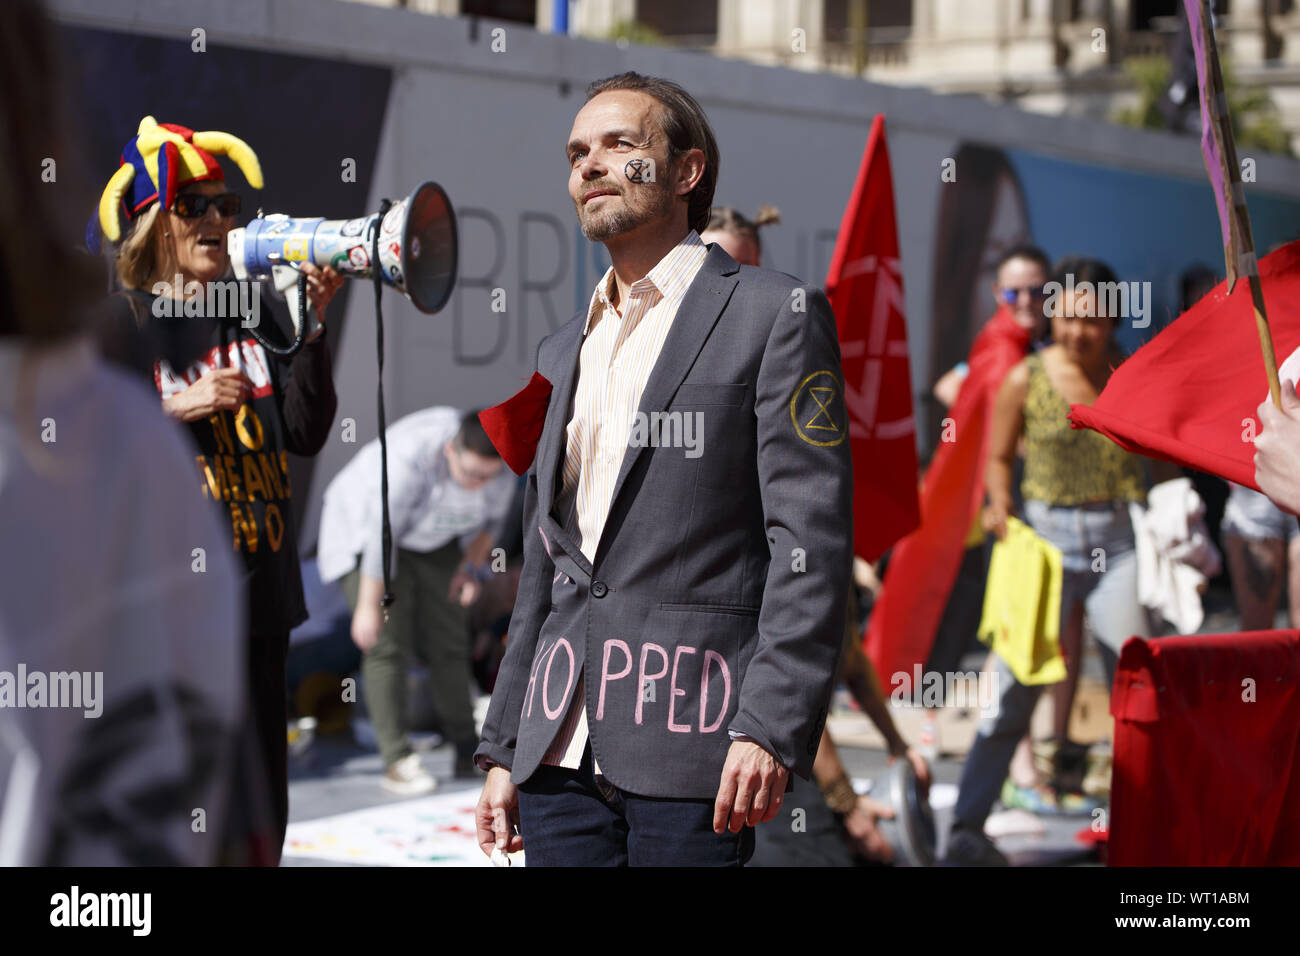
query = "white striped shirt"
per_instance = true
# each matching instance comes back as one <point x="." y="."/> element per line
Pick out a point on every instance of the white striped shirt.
<point x="618" y="354"/>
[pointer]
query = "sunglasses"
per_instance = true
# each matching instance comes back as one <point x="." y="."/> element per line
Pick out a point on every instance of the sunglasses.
<point x="195" y="205"/>
<point x="1012" y="296"/>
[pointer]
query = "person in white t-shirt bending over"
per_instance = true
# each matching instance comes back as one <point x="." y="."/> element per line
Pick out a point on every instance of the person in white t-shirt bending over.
<point x="446" y="489"/>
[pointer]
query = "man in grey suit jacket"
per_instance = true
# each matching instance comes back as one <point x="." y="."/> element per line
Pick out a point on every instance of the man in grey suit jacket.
<point x="687" y="526"/>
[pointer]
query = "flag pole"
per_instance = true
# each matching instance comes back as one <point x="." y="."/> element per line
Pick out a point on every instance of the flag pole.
<point x="1265" y="340"/>
<point x="1220" y="150"/>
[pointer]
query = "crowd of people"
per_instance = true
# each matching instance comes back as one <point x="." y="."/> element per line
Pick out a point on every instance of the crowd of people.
<point x="171" y="458"/>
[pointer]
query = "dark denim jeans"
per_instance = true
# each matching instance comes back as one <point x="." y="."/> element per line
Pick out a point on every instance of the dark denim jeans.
<point x="567" y="818"/>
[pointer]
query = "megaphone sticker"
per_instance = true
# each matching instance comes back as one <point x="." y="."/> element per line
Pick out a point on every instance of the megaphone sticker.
<point x="393" y="221"/>
<point x="352" y="227"/>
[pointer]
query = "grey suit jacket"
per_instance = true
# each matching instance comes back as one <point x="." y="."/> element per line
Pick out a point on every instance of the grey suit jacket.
<point x="716" y="599"/>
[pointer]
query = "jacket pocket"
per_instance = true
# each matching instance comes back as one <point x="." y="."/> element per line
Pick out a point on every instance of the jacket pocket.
<point x="692" y="393"/>
<point x="740" y="609"/>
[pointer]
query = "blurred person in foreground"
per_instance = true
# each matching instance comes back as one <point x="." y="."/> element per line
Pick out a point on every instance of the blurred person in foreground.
<point x="245" y="407"/>
<point x="120" y="668"/>
<point x="1076" y="488"/>
<point x="1277" y="451"/>
<point x="669" y="666"/>
<point x="855" y="816"/>
<point x="1261" y="541"/>
<point x="446" y="488"/>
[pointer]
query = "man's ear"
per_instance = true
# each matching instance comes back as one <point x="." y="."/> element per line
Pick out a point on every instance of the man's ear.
<point x="688" y="170"/>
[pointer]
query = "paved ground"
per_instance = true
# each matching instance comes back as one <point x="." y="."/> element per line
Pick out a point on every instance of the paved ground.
<point x="336" y="777"/>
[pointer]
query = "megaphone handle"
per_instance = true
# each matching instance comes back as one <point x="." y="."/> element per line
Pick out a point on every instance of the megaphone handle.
<point x="299" y="334"/>
<point x="377" y="273"/>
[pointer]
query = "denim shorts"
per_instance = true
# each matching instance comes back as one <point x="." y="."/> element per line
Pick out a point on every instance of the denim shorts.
<point x="1081" y="531"/>
<point x="1248" y="514"/>
<point x="1099" y="564"/>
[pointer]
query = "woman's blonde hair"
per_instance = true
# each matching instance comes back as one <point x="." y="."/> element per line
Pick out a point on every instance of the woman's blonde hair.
<point x="143" y="257"/>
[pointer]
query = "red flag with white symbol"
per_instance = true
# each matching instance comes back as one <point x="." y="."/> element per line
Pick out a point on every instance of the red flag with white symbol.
<point x="865" y="288"/>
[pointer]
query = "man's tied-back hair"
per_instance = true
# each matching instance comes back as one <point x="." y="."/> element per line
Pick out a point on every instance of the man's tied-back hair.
<point x="684" y="125"/>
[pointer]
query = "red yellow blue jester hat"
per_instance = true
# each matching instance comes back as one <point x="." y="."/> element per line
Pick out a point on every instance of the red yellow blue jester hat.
<point x="158" y="161"/>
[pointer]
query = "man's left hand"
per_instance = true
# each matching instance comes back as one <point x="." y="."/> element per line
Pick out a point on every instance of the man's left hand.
<point x="752" y="788"/>
<point x="1277" y="450"/>
<point x="321" y="286"/>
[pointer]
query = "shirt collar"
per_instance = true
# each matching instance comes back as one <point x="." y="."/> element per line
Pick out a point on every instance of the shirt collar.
<point x="670" y="276"/>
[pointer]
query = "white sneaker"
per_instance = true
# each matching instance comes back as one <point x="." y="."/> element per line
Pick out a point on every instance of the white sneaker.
<point x="407" y="778"/>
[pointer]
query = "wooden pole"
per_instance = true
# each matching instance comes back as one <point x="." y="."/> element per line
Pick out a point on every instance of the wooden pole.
<point x="1239" y="253"/>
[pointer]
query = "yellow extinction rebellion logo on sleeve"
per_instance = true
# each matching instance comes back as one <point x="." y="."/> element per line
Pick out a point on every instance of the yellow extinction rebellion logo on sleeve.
<point x="817" y="410"/>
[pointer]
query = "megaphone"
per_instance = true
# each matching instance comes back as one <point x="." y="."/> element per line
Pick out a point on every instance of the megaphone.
<point x="417" y="246"/>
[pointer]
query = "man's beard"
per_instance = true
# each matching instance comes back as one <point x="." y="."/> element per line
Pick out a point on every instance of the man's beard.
<point x="602" y="227"/>
<point x="652" y="202"/>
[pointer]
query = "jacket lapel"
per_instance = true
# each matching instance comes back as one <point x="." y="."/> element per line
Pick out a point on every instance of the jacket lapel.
<point x="550" y="454"/>
<point x="698" y="313"/>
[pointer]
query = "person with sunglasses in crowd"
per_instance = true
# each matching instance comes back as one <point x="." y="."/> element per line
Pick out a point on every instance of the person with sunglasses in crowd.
<point x="246" y="407"/>
<point x="1076" y="491"/>
<point x="1018" y="296"/>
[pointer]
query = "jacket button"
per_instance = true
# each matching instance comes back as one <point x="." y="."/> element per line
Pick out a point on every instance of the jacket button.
<point x="599" y="589"/>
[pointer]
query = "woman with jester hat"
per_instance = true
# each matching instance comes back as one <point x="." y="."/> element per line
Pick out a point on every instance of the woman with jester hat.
<point x="246" y="407"/>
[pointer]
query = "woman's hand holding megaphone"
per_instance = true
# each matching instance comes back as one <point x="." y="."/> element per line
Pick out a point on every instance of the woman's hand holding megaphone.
<point x="321" y="286"/>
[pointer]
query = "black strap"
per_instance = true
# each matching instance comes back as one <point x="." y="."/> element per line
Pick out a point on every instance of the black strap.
<point x="377" y="272"/>
<point x="302" y="324"/>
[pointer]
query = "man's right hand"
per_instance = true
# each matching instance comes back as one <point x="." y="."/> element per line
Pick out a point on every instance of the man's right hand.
<point x="497" y="814"/>
<point x="222" y="389"/>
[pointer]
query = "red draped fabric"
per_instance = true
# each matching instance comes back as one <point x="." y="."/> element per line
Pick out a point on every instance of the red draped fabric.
<point x="1206" y="769"/>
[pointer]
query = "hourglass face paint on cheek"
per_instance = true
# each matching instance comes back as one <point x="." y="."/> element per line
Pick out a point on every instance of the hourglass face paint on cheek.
<point x="640" y="170"/>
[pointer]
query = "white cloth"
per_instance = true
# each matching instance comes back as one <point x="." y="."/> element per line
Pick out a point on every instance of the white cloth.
<point x="119" y="571"/>
<point x="1174" y="553"/>
<point x="426" y="507"/>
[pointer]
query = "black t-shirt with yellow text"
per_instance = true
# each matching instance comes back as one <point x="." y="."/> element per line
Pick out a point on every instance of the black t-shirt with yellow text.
<point x="242" y="459"/>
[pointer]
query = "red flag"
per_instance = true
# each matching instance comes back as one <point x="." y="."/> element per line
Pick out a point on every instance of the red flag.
<point x="865" y="288"/>
<point x="1189" y="395"/>
<point x="924" y="566"/>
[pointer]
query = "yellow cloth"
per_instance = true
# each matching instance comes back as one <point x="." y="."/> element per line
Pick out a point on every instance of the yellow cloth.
<point x="975" y="536"/>
<point x="1022" y="606"/>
